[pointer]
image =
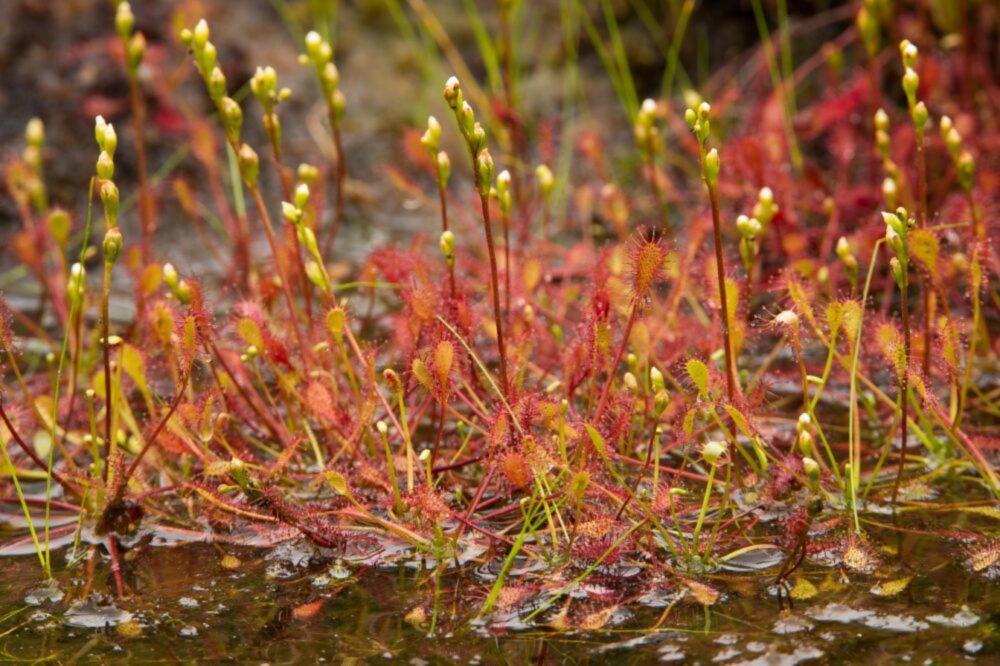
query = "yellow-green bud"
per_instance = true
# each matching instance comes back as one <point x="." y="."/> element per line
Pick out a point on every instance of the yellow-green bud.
<point x="302" y="195"/>
<point x="232" y="118"/>
<point x="77" y="281"/>
<point x="447" y="244"/>
<point x="546" y="181"/>
<point x="432" y="135"/>
<point x="111" y="201"/>
<point x="712" y="166"/>
<point x="443" y="167"/>
<point x="105" y="166"/>
<point x="290" y="212"/>
<point x="919" y="116"/>
<point x="484" y="169"/>
<point x="249" y="164"/>
<point x="630" y="382"/>
<point x="308" y="173"/>
<point x="908" y="51"/>
<point x="660" y="401"/>
<point x="124" y="20"/>
<point x="200" y="35"/>
<point x="453" y="92"/>
<point x="656" y="379"/>
<point x="910" y="84"/>
<point x="170" y="277"/>
<point x="34" y="132"/>
<point x="135" y="50"/>
<point x="112" y="245"/>
<point x="713" y="451"/>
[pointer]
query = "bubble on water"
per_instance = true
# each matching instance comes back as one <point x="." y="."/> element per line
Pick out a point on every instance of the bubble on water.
<point x="972" y="646"/>
<point x="188" y="602"/>
<point x="47" y="592"/>
<point x="188" y="631"/>
<point x="94" y="613"/>
<point x="773" y="658"/>
<point x="963" y="618"/>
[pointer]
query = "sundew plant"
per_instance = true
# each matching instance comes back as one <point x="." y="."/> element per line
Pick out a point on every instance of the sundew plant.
<point x="741" y="334"/>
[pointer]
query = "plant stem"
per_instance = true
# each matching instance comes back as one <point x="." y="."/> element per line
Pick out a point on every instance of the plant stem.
<point x="731" y="380"/>
<point x="494" y="284"/>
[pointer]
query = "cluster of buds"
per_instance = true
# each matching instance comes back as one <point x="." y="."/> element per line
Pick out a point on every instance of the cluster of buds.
<point x="752" y="227"/>
<point x="34" y="137"/>
<point x="803" y="434"/>
<point x="647" y="135"/>
<point x="474" y="135"/>
<point x="911" y="82"/>
<point x="180" y="289"/>
<point x="890" y="185"/>
<point x="294" y="213"/>
<point x="897" y="226"/>
<point x="965" y="164"/>
<point x="134" y="42"/>
<point x="264" y="86"/>
<point x="206" y="59"/>
<point x="319" y="54"/>
<point x="700" y="124"/>
<point x="431" y="140"/>
<point x="849" y="260"/>
<point x="107" y="142"/>
<point x="868" y="28"/>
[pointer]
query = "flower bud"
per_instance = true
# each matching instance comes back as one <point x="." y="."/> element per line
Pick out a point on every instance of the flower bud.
<point x="811" y="468"/>
<point x="966" y="165"/>
<point x="308" y="173"/>
<point x="453" y="92"/>
<point x="656" y="379"/>
<point x="882" y="120"/>
<point x="630" y="382"/>
<point x="124" y="20"/>
<point x="919" y="116"/>
<point x="804" y="423"/>
<point x="890" y="192"/>
<point x="302" y="195"/>
<point x="112" y="245"/>
<point x="338" y="103"/>
<point x="34" y="132"/>
<point x="908" y="52"/>
<point x="170" y="277"/>
<point x="843" y="247"/>
<point x="315" y="274"/>
<point x="712" y="166"/>
<point x="896" y="268"/>
<point x="443" y="168"/>
<point x="105" y="166"/>
<point x="447" y="244"/>
<point x="382" y="428"/>
<point x="135" y="50"/>
<point x="77" y="281"/>
<point x="660" y="401"/>
<point x="713" y="451"/>
<point x="432" y="135"/>
<point x="111" y="201"/>
<point x="484" y="170"/>
<point x="910" y="84"/>
<point x="200" y="35"/>
<point x="478" y="138"/>
<point x="290" y="212"/>
<point x="232" y="118"/>
<point x="543" y="174"/>
<point x="314" y="47"/>
<point x="249" y="164"/>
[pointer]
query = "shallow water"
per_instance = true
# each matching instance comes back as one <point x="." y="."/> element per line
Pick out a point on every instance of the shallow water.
<point x="296" y="604"/>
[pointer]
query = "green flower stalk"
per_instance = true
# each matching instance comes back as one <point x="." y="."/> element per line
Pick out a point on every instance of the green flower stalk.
<point x="134" y="44"/>
<point x="231" y="117"/>
<point x="897" y="227"/>
<point x="700" y="124"/>
<point x="919" y="117"/>
<point x="431" y="140"/>
<point x="647" y="136"/>
<point x="482" y="173"/>
<point x="319" y="54"/>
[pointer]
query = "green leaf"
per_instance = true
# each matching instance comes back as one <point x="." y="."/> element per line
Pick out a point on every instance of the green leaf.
<point x="698" y="372"/>
<point x="598" y="441"/>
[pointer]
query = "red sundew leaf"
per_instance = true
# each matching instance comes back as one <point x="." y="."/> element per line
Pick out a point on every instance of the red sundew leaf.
<point x="320" y="401"/>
